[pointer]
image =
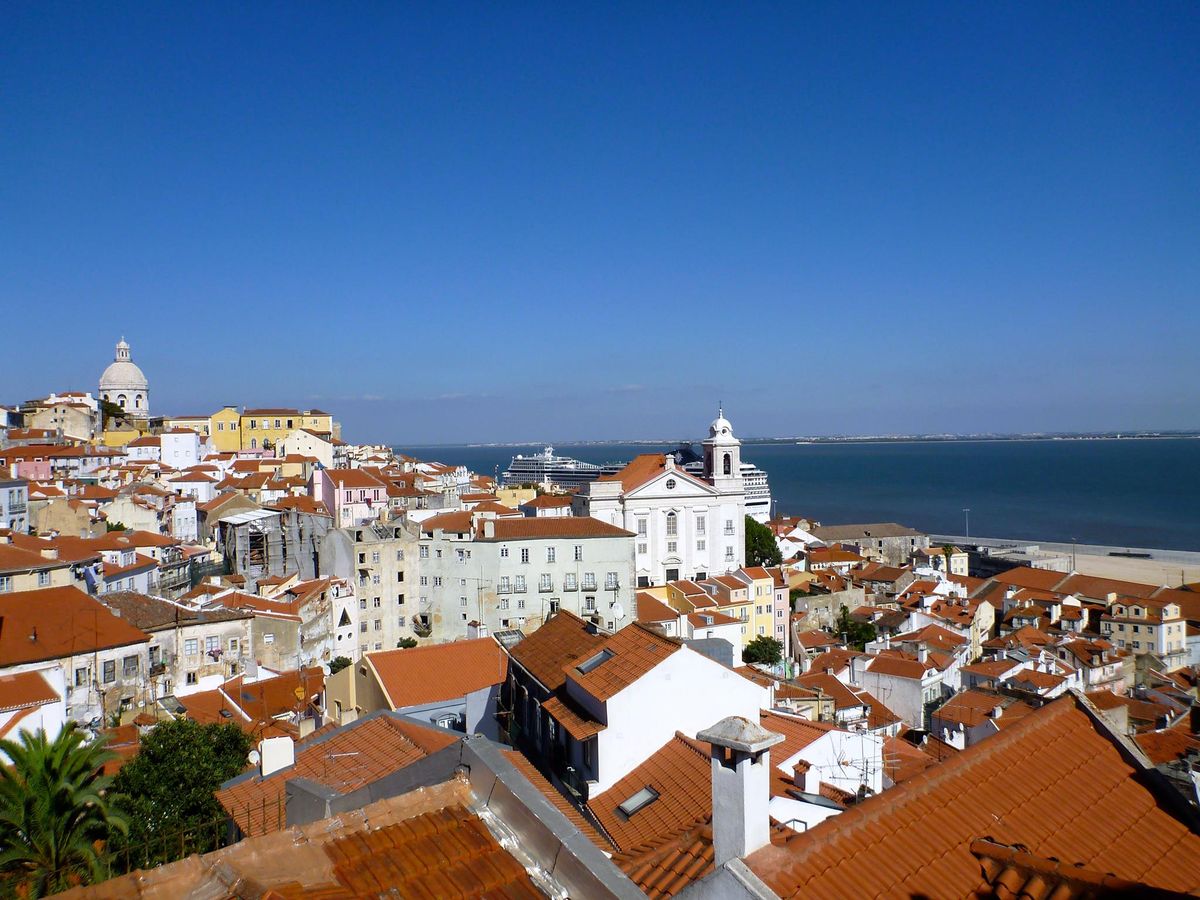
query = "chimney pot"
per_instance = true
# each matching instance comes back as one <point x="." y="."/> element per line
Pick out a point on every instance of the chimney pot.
<point x="741" y="781"/>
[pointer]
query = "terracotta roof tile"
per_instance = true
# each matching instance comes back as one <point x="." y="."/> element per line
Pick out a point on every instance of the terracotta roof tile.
<point x="521" y="528"/>
<point x="1056" y="782"/>
<point x="345" y="760"/>
<point x="439" y="671"/>
<point x="564" y="806"/>
<point x="631" y="653"/>
<point x="25" y="689"/>
<point x="54" y="623"/>
<point x="574" y="720"/>
<point x="563" y="639"/>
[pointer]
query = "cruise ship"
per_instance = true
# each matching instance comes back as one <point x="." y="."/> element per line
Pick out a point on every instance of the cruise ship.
<point x="545" y="467"/>
<point x="758" y="492"/>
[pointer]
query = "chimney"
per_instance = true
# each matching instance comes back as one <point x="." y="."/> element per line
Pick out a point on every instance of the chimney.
<point x="489" y="528"/>
<point x="923" y="653"/>
<point x="741" y="782"/>
<point x="669" y="462"/>
<point x="997" y="711"/>
<point x="275" y="754"/>
<point x="50" y="552"/>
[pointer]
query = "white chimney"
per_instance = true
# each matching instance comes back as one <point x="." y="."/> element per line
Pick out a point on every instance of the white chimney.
<point x="741" y="783"/>
<point x="923" y="653"/>
<point x="276" y="753"/>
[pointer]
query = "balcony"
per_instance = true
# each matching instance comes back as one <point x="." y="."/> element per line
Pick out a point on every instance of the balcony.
<point x="421" y="627"/>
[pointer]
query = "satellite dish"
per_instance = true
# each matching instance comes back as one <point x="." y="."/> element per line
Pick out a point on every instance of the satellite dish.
<point x="618" y="611"/>
<point x="254" y="757"/>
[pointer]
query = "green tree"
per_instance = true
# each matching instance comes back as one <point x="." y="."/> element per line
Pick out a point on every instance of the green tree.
<point x="406" y="643"/>
<point x="857" y="633"/>
<point x="763" y="649"/>
<point x="168" y="789"/>
<point x="115" y="526"/>
<point x="761" y="549"/>
<point x="110" y="410"/>
<point x="55" y="813"/>
<point x="338" y="663"/>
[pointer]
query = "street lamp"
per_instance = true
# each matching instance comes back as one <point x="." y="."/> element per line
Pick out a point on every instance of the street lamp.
<point x="967" y="521"/>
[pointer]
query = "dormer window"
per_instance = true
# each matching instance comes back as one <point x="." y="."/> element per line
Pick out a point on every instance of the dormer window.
<point x="594" y="662"/>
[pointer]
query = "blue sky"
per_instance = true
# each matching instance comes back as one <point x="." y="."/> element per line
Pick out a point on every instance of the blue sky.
<point x="557" y="221"/>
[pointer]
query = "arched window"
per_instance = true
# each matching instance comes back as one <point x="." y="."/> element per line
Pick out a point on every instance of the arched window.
<point x="137" y="401"/>
<point x="728" y="464"/>
<point x="672" y="525"/>
<point x="253" y="443"/>
<point x="121" y="400"/>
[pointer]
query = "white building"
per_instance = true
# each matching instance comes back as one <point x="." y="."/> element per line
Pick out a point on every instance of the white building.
<point x="514" y="572"/>
<point x="124" y="384"/>
<point x="687" y="527"/>
<point x="14" y="502"/>
<point x="181" y="448"/>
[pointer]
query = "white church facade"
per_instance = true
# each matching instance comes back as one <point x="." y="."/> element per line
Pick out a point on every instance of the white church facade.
<point x="686" y="526"/>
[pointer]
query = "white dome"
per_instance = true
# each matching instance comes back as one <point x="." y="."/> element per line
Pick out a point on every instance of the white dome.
<point x="123" y="376"/>
<point x="720" y="426"/>
<point x="122" y="373"/>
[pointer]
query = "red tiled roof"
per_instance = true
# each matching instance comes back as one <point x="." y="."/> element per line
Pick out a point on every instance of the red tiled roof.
<point x="651" y="609"/>
<point x="573" y="720"/>
<point x="1056" y="782"/>
<point x="25" y="689"/>
<point x="563" y="639"/>
<point x="681" y="772"/>
<point x="635" y="650"/>
<point x="526" y="528"/>
<point x="439" y="671"/>
<point x="345" y="760"/>
<point x="972" y="708"/>
<point x="665" y="865"/>
<point x="54" y="623"/>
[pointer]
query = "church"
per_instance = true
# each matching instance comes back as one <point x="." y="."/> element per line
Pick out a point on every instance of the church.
<point x="124" y="384"/>
<point x="686" y="526"/>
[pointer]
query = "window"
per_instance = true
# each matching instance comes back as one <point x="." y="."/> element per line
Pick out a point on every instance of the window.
<point x="641" y="527"/>
<point x="553" y="605"/>
<point x="269" y="637"/>
<point x="424" y="581"/>
<point x="129" y="667"/>
<point x="190" y="678"/>
<point x="504" y="603"/>
<point x="670" y="484"/>
<point x="1137" y="645"/>
<point x="641" y="548"/>
<point x="672" y="524"/>
<point x="524" y="554"/>
<point x="43" y="579"/>
<point x="638" y="801"/>
<point x="424" y="554"/>
<point x="461" y="555"/>
<point x="729" y="554"/>
<point x="362" y="627"/>
<point x="520" y="584"/>
<point x="211" y="643"/>
<point x="375" y="556"/>
<point x="727" y="466"/>
<point x="399" y="599"/>
<point x="520" y="603"/>
<point x="579" y="553"/>
<point x="505" y="585"/>
<point x="700" y="545"/>
<point x="399" y="577"/>
<point x="589" y="604"/>
<point x="400" y="621"/>
<point x="729" y="526"/>
<point x="254" y="423"/>
<point x="589" y="581"/>
<point x="437" y="580"/>
<point x="362" y="602"/>
<point x="504" y="553"/>
<point x="571" y="582"/>
<point x="81" y="677"/>
<point x="379" y="624"/>
<point x="234" y="645"/>
<point x="399" y="556"/>
<point x="549" y="554"/>
<point x="6" y="584"/>
<point x="672" y="546"/>
<point x="110" y="671"/>
<point x="700" y="524"/>
<point x="375" y="579"/>
<point x="545" y="583"/>
<point x="191" y="647"/>
<point x="462" y="601"/>
<point x="378" y="602"/>
<point x="610" y="581"/>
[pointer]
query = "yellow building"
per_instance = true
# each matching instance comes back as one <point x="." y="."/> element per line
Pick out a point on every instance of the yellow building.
<point x="224" y="431"/>
<point x="264" y="428"/>
<point x="762" y="595"/>
<point x="198" y="424"/>
<point x="120" y="433"/>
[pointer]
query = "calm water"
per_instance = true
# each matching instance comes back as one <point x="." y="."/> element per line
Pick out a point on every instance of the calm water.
<point x="1135" y="493"/>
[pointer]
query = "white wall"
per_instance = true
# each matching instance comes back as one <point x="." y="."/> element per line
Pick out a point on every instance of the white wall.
<point x="686" y="692"/>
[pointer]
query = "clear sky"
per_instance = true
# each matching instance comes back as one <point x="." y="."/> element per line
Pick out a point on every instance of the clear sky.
<point x="506" y="221"/>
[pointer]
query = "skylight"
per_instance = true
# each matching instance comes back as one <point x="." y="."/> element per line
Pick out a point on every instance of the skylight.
<point x="599" y="659"/>
<point x="639" y="801"/>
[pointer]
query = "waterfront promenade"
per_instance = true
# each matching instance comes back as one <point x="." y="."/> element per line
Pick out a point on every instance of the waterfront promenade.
<point x="1169" y="567"/>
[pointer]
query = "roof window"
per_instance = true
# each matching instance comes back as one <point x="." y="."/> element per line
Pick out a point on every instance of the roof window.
<point x="638" y="801"/>
<point x="598" y="660"/>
